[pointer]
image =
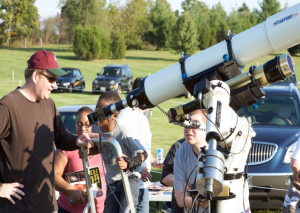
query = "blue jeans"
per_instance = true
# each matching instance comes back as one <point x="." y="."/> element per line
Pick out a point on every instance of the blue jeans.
<point x="61" y="210"/>
<point x="111" y="205"/>
<point x="143" y="206"/>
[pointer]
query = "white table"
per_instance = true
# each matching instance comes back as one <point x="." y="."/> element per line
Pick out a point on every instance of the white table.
<point x="160" y="195"/>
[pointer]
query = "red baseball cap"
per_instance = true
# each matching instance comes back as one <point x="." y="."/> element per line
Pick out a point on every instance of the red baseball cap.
<point x="45" y="60"/>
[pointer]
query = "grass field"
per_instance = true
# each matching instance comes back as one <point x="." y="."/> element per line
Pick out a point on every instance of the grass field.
<point x="142" y="63"/>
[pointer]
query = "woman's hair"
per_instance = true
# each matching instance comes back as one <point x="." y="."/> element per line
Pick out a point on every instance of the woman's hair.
<point x="84" y="109"/>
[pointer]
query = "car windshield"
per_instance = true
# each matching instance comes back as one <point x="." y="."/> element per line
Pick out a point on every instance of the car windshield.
<point x="69" y="73"/>
<point x="274" y="110"/>
<point x="111" y="71"/>
<point x="69" y="118"/>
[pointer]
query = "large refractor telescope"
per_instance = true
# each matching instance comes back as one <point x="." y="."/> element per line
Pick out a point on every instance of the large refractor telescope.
<point x="277" y="33"/>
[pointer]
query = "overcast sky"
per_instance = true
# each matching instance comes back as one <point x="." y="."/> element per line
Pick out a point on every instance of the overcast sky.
<point x="48" y="8"/>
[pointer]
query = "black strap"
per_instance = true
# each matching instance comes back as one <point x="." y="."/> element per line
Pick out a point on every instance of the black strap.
<point x="182" y="66"/>
<point x="133" y="163"/>
<point x="233" y="176"/>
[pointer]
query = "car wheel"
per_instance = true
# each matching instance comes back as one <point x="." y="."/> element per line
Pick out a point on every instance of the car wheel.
<point x="119" y="91"/>
<point x="82" y="88"/>
<point x="187" y="94"/>
<point x="129" y="87"/>
<point x="70" y="88"/>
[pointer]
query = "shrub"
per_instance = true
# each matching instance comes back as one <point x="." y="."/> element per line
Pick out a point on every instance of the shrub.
<point x="118" y="47"/>
<point x="294" y="50"/>
<point x="87" y="43"/>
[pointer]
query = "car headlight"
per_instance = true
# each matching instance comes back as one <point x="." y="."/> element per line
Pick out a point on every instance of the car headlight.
<point x="95" y="82"/>
<point x="112" y="82"/>
<point x="289" y="153"/>
<point x="66" y="84"/>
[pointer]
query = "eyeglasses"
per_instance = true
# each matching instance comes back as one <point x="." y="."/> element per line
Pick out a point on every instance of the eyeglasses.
<point x="80" y="125"/>
<point x="51" y="80"/>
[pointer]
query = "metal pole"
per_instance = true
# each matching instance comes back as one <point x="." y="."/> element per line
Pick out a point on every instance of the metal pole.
<point x="89" y="187"/>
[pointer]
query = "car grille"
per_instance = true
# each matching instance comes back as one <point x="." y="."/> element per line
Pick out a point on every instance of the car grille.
<point x="264" y="189"/>
<point x="261" y="152"/>
<point x="103" y="83"/>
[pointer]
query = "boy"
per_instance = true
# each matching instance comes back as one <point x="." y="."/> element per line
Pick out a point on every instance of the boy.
<point x="186" y="160"/>
<point x="130" y="147"/>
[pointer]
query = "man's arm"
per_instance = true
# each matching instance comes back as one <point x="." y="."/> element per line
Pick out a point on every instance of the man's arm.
<point x="168" y="180"/>
<point x="133" y="162"/>
<point x="295" y="166"/>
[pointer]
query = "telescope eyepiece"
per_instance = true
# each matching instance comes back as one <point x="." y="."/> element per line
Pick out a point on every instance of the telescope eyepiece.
<point x="279" y="68"/>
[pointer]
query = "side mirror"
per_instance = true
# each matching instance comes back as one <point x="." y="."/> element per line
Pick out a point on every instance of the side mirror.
<point x="98" y="73"/>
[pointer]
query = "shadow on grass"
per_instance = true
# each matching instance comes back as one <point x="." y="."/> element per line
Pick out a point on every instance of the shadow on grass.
<point x="149" y="58"/>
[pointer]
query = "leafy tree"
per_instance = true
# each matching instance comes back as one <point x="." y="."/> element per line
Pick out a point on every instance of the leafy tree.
<point x="135" y="22"/>
<point x="85" y="13"/>
<point x="50" y="29"/>
<point x="239" y="20"/>
<point x="294" y="50"/>
<point x="105" y="47"/>
<point x="118" y="46"/>
<point x="185" y="35"/>
<point x="87" y="43"/>
<point x="244" y="8"/>
<point x="19" y="18"/>
<point x="199" y="12"/>
<point x="218" y="23"/>
<point x="268" y="8"/>
<point x="162" y="19"/>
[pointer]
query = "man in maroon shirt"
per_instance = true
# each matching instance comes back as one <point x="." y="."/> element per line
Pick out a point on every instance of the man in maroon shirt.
<point x="30" y="128"/>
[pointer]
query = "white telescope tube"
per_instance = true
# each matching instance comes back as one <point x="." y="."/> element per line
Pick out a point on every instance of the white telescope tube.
<point x="277" y="33"/>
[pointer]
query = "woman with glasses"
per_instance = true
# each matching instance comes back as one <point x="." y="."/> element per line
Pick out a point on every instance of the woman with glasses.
<point x="69" y="174"/>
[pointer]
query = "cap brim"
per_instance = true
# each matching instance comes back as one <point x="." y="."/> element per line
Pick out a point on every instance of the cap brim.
<point x="57" y="71"/>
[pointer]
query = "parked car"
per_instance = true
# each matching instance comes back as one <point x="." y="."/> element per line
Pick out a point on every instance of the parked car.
<point x="277" y="127"/>
<point x="68" y="115"/>
<point x="72" y="81"/>
<point x="113" y="78"/>
<point x="287" y="81"/>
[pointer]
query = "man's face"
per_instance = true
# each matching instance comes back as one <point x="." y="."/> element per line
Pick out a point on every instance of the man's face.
<point x="45" y="83"/>
<point x="196" y="136"/>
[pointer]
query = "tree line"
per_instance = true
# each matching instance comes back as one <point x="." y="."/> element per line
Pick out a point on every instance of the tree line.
<point x="100" y="30"/>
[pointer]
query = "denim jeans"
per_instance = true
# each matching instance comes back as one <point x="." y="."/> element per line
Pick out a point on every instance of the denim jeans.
<point x="117" y="189"/>
<point x="143" y="206"/>
<point x="61" y="210"/>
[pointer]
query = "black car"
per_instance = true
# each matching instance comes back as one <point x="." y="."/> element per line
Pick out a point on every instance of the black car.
<point x="113" y="78"/>
<point x="276" y="121"/>
<point x="72" y="81"/>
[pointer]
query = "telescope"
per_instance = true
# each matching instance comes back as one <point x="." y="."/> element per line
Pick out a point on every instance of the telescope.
<point x="277" y="33"/>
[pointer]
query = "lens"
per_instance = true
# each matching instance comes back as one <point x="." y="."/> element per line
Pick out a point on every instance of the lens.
<point x="291" y="64"/>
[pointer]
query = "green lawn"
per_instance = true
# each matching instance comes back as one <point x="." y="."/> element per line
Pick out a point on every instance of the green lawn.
<point x="142" y="63"/>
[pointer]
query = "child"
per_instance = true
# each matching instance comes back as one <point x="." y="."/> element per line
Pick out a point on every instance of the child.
<point x="131" y="149"/>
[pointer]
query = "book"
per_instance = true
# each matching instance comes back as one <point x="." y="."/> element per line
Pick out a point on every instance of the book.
<point x="77" y="180"/>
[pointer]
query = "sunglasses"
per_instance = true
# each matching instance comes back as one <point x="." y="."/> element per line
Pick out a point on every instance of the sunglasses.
<point x="51" y="80"/>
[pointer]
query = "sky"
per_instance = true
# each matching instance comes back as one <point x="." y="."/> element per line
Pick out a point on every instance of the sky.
<point x="48" y="8"/>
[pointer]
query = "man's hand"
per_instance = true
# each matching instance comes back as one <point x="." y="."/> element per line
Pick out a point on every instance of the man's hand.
<point x="77" y="196"/>
<point x="122" y="163"/>
<point x="156" y="165"/>
<point x="85" y="138"/>
<point x="7" y="190"/>
<point x="146" y="176"/>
